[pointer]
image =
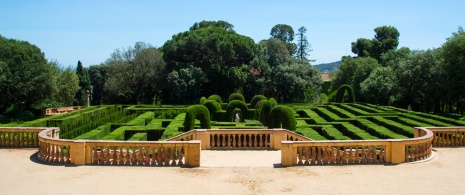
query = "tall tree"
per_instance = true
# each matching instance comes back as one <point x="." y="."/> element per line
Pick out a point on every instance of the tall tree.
<point x="24" y="74"/>
<point x="98" y="75"/>
<point x="386" y="38"/>
<point x="84" y="85"/>
<point x="68" y="85"/>
<point x="135" y="74"/>
<point x="380" y="86"/>
<point x="303" y="47"/>
<point x="205" y="24"/>
<point x="284" y="33"/>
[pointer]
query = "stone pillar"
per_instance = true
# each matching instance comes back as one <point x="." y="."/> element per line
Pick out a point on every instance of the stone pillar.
<point x="288" y="154"/>
<point x="78" y="152"/>
<point x="87" y="98"/>
<point x="397" y="152"/>
<point x="204" y="138"/>
<point x="276" y="137"/>
<point x="193" y="154"/>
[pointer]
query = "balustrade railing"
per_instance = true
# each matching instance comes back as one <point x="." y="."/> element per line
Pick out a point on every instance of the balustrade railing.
<point x="20" y="137"/>
<point x="393" y="151"/>
<point x="448" y="136"/>
<point x="148" y="153"/>
<point x="240" y="139"/>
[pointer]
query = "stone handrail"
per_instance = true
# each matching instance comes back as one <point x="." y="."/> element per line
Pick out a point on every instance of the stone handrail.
<point x="22" y="137"/>
<point x="394" y="151"/>
<point x="448" y="136"/>
<point x="146" y="153"/>
<point x="237" y="139"/>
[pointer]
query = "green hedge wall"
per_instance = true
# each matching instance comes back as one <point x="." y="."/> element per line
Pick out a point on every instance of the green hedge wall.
<point x="203" y="100"/>
<point x="236" y="104"/>
<point x="197" y="111"/>
<point x="282" y="115"/>
<point x="138" y="137"/>
<point x="256" y="99"/>
<point x="341" y="91"/>
<point x="217" y="98"/>
<point x="213" y="107"/>
<point x="273" y="102"/>
<point x="236" y="96"/>
<point x="264" y="112"/>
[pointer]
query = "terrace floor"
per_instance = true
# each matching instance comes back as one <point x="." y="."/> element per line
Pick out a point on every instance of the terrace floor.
<point x="233" y="172"/>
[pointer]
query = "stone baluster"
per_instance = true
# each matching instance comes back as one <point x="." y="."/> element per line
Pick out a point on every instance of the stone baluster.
<point x="127" y="154"/>
<point x="299" y="156"/>
<point x="62" y="156"/>
<point x="154" y="156"/>
<point x="20" y="139"/>
<point x="115" y="156"/>
<point x="107" y="155"/>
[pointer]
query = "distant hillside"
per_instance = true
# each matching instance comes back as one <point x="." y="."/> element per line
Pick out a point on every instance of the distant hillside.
<point x="331" y="67"/>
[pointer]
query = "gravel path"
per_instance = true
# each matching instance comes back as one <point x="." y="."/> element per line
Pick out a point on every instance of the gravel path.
<point x="22" y="174"/>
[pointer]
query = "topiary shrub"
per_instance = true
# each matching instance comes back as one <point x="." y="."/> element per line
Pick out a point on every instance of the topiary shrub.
<point x="273" y="102"/>
<point x="212" y="106"/>
<point x="341" y="91"/>
<point x="236" y="104"/>
<point x="236" y="96"/>
<point x="282" y="115"/>
<point x="264" y="112"/>
<point x="256" y="99"/>
<point x="217" y="98"/>
<point x="200" y="112"/>
<point x="203" y="100"/>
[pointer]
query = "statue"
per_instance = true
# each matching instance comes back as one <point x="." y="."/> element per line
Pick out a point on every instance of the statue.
<point x="238" y="119"/>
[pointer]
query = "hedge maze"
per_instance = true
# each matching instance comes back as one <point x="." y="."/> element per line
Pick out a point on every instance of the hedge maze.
<point x="360" y="121"/>
<point x="334" y="121"/>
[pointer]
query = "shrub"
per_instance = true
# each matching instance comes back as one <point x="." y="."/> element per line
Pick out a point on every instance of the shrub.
<point x="197" y="111"/>
<point x="256" y="99"/>
<point x="212" y="106"/>
<point x="236" y="96"/>
<point x="282" y="115"/>
<point x="273" y="102"/>
<point x="341" y="91"/>
<point x="264" y="112"/>
<point x="217" y="98"/>
<point x="203" y="100"/>
<point x="236" y="104"/>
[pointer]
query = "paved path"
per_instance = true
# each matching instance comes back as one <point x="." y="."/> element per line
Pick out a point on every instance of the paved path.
<point x="240" y="173"/>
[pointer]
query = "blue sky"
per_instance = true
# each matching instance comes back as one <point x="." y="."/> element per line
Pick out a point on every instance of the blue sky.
<point x="90" y="31"/>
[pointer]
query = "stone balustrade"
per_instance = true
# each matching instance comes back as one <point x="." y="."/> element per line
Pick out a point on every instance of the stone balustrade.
<point x="394" y="151"/>
<point x="137" y="153"/>
<point x="20" y="137"/>
<point x="448" y="136"/>
<point x="239" y="139"/>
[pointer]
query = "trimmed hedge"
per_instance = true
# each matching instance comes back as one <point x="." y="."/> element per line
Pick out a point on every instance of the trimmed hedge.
<point x="197" y="111"/>
<point x="236" y="104"/>
<point x="342" y="90"/>
<point x="236" y="96"/>
<point x="264" y="112"/>
<point x="217" y="98"/>
<point x="352" y="110"/>
<point x="393" y="126"/>
<point x="326" y="114"/>
<point x="138" y="137"/>
<point x="354" y="132"/>
<point x="330" y="132"/>
<point x="340" y="112"/>
<point x="256" y="99"/>
<point x="203" y="100"/>
<point x="378" y="131"/>
<point x="212" y="107"/>
<point x="282" y="115"/>
<point x="273" y="102"/>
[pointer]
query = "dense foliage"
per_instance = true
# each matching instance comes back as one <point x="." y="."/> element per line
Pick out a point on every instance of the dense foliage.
<point x="236" y="104"/>
<point x="236" y="96"/>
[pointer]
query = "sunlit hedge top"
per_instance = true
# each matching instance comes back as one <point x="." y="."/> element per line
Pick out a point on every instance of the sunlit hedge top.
<point x="236" y="96"/>
<point x="282" y="115"/>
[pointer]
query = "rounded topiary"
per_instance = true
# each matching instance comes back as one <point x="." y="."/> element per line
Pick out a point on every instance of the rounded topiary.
<point x="341" y="91"/>
<point x="236" y="104"/>
<point x="256" y="99"/>
<point x="203" y="100"/>
<point x="212" y="106"/>
<point x="236" y="96"/>
<point x="273" y="102"/>
<point x="217" y="98"/>
<point x="282" y="115"/>
<point x="264" y="112"/>
<point x="200" y="112"/>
